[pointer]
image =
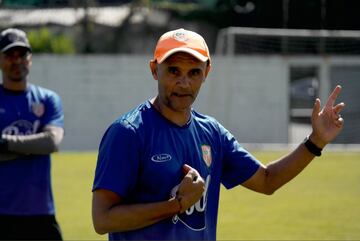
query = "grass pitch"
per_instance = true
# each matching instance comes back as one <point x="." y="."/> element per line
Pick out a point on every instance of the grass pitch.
<point x="322" y="203"/>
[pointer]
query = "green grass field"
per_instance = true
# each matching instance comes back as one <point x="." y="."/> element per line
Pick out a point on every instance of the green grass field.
<point x="322" y="203"/>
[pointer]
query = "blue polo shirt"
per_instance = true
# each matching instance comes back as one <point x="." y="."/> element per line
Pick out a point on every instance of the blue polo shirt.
<point x="25" y="184"/>
<point x="141" y="157"/>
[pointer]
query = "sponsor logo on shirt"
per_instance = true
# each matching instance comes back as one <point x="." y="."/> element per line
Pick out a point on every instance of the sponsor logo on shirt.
<point x="194" y="217"/>
<point x="161" y="157"/>
<point x="22" y="127"/>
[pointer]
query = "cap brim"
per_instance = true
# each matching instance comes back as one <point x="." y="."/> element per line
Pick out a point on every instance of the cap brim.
<point x="16" y="44"/>
<point x="194" y="53"/>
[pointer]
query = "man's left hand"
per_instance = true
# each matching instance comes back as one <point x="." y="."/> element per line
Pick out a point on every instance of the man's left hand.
<point x="327" y="122"/>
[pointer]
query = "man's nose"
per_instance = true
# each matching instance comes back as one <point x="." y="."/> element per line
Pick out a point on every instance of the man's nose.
<point x="184" y="80"/>
<point x="17" y="59"/>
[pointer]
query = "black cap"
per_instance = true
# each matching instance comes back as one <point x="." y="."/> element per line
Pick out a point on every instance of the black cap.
<point x="12" y="37"/>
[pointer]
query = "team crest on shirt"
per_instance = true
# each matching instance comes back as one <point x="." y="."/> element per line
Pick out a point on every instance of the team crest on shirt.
<point x="38" y="109"/>
<point x="206" y="153"/>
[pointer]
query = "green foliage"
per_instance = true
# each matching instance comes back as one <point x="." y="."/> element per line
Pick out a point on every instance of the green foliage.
<point x="20" y="3"/>
<point x="44" y="41"/>
<point x="322" y="203"/>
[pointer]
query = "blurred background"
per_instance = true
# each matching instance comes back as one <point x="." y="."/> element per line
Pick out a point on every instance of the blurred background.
<point x="271" y="59"/>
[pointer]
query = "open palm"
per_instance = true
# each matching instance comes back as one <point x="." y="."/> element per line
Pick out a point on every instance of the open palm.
<point x="327" y="122"/>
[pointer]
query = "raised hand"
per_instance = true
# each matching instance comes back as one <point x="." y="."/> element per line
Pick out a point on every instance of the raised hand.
<point x="327" y="122"/>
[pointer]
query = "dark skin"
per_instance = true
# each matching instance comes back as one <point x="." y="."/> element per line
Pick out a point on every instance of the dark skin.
<point x="179" y="78"/>
<point x="15" y="64"/>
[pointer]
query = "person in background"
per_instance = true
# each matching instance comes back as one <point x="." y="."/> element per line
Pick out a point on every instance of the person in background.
<point x="160" y="165"/>
<point x="31" y="128"/>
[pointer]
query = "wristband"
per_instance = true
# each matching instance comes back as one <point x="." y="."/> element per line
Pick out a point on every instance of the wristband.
<point x="3" y="145"/>
<point x="312" y="148"/>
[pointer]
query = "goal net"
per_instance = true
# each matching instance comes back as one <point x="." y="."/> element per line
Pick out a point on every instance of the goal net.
<point x="306" y="79"/>
<point x="241" y="40"/>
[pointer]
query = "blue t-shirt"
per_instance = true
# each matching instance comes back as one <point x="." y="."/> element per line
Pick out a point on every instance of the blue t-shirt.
<point x="25" y="185"/>
<point x="141" y="157"/>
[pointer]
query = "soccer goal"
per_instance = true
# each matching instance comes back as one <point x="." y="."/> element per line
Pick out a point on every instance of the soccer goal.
<point x="315" y="61"/>
<point x="241" y="40"/>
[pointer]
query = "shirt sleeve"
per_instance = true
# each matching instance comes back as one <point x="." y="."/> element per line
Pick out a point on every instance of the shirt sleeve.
<point x="118" y="160"/>
<point x="53" y="111"/>
<point x="238" y="164"/>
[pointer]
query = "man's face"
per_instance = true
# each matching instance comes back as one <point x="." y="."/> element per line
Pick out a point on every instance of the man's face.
<point x="15" y="63"/>
<point x="179" y="80"/>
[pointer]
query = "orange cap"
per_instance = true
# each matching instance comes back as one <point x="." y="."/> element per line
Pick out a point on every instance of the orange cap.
<point x="181" y="40"/>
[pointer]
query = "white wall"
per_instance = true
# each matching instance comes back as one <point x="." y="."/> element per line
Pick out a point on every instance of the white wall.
<point x="249" y="97"/>
<point x="95" y="90"/>
<point x="247" y="94"/>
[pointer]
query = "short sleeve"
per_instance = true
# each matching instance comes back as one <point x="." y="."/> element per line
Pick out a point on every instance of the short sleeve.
<point x="53" y="110"/>
<point x="118" y="160"/>
<point x="238" y="164"/>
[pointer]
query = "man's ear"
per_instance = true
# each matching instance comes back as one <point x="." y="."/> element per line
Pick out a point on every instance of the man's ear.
<point x="207" y="70"/>
<point x="153" y="68"/>
<point x="30" y="60"/>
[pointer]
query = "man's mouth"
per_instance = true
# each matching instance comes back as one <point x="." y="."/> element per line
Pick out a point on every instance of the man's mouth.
<point x="181" y="95"/>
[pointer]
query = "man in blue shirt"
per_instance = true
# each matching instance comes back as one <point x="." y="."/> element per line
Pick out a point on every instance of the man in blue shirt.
<point x="160" y="166"/>
<point x="31" y="127"/>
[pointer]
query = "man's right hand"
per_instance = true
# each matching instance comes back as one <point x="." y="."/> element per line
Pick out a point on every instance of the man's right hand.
<point x="190" y="189"/>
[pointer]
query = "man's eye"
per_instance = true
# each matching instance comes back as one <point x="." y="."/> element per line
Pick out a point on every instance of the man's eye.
<point x="20" y="54"/>
<point x="173" y="70"/>
<point x="24" y="54"/>
<point x="195" y="72"/>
